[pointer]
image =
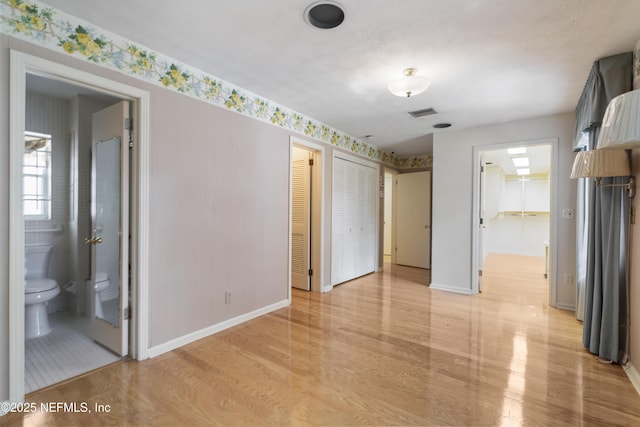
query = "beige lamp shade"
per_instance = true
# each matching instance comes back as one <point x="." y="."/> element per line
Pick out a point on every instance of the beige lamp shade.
<point x="601" y="163"/>
<point x="621" y="122"/>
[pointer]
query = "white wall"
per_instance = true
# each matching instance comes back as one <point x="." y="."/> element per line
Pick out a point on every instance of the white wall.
<point x="452" y="198"/>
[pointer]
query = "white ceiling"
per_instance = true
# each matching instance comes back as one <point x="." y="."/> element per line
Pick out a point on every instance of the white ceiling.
<point x="490" y="61"/>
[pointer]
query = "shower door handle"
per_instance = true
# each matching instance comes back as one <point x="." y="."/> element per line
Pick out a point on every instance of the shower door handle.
<point x="93" y="240"/>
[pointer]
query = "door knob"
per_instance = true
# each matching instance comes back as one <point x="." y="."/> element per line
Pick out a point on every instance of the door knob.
<point x="93" y="240"/>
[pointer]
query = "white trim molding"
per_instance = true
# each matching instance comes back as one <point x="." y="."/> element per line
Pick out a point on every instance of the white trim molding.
<point x="213" y="329"/>
<point x="318" y="225"/>
<point x="553" y="216"/>
<point x="449" y="288"/>
<point x="633" y="375"/>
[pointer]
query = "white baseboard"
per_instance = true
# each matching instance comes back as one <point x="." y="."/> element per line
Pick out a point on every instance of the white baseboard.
<point x="202" y="333"/>
<point x="449" y="288"/>
<point x="569" y="307"/>
<point x="633" y="375"/>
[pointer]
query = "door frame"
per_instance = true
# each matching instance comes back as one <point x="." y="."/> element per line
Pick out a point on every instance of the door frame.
<point x="553" y="214"/>
<point x="22" y="64"/>
<point x="317" y="212"/>
<point x="394" y="174"/>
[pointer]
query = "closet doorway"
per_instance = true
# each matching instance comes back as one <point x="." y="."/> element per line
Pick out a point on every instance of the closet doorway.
<point x="305" y="215"/>
<point x="515" y="216"/>
<point x="389" y="217"/>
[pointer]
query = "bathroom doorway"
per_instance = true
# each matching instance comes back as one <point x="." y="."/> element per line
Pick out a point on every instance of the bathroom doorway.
<point x="57" y="216"/>
<point x="62" y="101"/>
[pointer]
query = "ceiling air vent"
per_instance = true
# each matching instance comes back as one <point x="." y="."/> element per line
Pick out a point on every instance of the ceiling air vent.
<point x="425" y="112"/>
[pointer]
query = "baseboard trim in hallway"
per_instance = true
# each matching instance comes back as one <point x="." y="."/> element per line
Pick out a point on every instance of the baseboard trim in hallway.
<point x="205" y="332"/>
<point x="384" y="349"/>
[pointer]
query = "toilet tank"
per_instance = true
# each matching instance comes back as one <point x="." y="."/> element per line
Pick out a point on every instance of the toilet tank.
<point x="37" y="261"/>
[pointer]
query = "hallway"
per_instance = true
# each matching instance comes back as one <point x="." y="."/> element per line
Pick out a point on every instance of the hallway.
<point x="380" y="350"/>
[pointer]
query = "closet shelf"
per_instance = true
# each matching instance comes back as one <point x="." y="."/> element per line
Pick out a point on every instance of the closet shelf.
<point x="524" y="213"/>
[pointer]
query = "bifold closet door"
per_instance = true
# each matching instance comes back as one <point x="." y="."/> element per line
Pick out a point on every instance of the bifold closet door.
<point x="354" y="220"/>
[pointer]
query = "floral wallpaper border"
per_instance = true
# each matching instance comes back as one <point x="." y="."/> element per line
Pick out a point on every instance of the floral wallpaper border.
<point x="38" y="23"/>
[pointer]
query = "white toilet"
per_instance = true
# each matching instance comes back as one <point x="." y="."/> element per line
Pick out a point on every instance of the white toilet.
<point x="38" y="290"/>
<point x="102" y="283"/>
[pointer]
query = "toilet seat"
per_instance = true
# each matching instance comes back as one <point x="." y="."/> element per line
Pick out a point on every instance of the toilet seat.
<point x="34" y="286"/>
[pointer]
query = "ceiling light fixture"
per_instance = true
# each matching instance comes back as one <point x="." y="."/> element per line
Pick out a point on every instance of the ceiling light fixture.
<point x="516" y="150"/>
<point x="520" y="162"/>
<point x="324" y="14"/>
<point x="442" y="125"/>
<point x="409" y="85"/>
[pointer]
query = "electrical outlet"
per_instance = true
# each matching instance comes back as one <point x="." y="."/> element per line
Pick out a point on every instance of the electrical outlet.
<point x="568" y="279"/>
<point x="227" y="297"/>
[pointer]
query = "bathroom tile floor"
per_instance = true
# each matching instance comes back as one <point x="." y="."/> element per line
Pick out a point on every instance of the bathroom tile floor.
<point x="64" y="353"/>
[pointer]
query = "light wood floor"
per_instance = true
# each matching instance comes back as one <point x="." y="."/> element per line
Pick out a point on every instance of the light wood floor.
<point x="381" y="350"/>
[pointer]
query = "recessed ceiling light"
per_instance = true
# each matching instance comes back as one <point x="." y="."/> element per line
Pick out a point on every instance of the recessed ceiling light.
<point x="517" y="150"/>
<point x="523" y="171"/>
<point x="520" y="162"/>
<point x="442" y="125"/>
<point x="324" y="14"/>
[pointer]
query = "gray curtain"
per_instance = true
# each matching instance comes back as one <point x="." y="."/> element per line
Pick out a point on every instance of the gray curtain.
<point x="605" y="312"/>
<point x="584" y="213"/>
<point x="603" y="214"/>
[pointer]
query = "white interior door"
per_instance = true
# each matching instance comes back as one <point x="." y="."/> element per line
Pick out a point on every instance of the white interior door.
<point x="388" y="209"/>
<point x="300" y="218"/>
<point x="110" y="225"/>
<point x="413" y="219"/>
<point x="482" y="213"/>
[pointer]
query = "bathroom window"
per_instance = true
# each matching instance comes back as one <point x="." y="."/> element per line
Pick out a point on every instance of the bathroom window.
<point x="36" y="173"/>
